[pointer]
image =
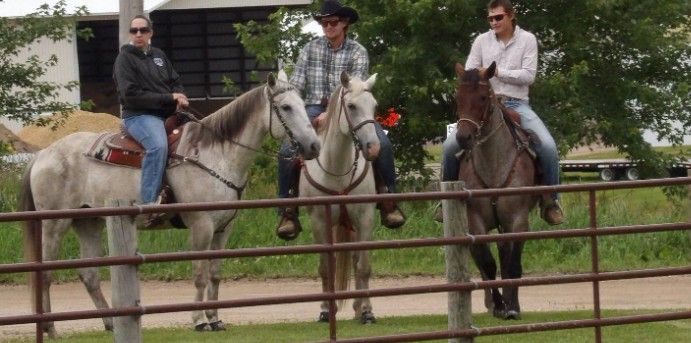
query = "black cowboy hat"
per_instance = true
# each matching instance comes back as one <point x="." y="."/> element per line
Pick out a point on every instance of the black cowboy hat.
<point x="334" y="8"/>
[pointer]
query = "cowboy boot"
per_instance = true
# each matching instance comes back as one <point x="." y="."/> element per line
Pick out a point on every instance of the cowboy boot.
<point x="289" y="226"/>
<point x="155" y="219"/>
<point x="551" y="211"/>
<point x="391" y="215"/>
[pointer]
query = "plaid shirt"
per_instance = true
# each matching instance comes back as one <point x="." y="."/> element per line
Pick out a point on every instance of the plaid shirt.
<point x="318" y="69"/>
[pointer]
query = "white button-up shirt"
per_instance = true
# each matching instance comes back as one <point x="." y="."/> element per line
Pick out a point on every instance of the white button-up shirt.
<point x="516" y="61"/>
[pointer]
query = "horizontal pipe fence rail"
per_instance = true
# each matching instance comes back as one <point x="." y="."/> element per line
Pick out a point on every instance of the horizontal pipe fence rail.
<point x="593" y="232"/>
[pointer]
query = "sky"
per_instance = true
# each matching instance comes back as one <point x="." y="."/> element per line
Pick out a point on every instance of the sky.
<point x="18" y="8"/>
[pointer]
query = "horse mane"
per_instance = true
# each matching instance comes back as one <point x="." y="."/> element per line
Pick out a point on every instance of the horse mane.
<point x="471" y="76"/>
<point x="331" y="107"/>
<point x="230" y="120"/>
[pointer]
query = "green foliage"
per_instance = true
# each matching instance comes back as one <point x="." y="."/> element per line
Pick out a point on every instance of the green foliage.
<point x="608" y="69"/>
<point x="22" y="92"/>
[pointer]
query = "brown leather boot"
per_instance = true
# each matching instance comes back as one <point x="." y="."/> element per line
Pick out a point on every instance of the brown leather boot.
<point x="289" y="226"/>
<point x="155" y="219"/>
<point x="391" y="215"/>
<point x="551" y="211"/>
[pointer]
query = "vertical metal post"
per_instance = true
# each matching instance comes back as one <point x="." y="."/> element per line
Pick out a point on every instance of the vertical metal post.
<point x="594" y="258"/>
<point x="38" y="276"/>
<point x="457" y="257"/>
<point x="331" y="271"/>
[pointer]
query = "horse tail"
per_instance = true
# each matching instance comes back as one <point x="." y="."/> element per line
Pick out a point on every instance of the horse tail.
<point x="342" y="234"/>
<point x="31" y="227"/>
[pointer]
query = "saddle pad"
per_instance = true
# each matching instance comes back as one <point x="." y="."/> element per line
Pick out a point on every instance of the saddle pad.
<point x="117" y="149"/>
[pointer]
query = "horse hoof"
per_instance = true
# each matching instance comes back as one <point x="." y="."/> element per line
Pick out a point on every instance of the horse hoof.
<point x="202" y="327"/>
<point x="367" y="317"/>
<point x="217" y="326"/>
<point x="323" y="317"/>
<point x="512" y="314"/>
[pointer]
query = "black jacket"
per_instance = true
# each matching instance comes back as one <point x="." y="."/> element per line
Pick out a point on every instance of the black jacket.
<point x="145" y="82"/>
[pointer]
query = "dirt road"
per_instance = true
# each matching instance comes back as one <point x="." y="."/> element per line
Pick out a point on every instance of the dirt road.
<point x="653" y="293"/>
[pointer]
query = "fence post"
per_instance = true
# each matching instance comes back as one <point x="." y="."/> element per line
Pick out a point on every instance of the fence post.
<point x="457" y="257"/>
<point x="122" y="241"/>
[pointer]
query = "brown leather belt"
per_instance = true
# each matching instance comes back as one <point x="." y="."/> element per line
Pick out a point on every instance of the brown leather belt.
<point x="504" y="98"/>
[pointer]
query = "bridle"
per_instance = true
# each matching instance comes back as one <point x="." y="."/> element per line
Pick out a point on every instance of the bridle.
<point x="486" y="115"/>
<point x="353" y="129"/>
<point x="274" y="108"/>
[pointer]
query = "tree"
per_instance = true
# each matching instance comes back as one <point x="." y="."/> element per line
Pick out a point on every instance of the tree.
<point x="22" y="93"/>
<point x="608" y="69"/>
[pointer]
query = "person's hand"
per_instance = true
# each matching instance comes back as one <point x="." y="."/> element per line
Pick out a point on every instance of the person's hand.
<point x="180" y="100"/>
<point x="319" y="120"/>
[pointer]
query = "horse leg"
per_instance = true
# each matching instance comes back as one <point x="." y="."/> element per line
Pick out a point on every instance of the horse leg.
<point x="511" y="268"/>
<point x="89" y="233"/>
<point x="488" y="270"/>
<point x="218" y="242"/>
<point x="362" y="271"/>
<point x="200" y="240"/>
<point x="53" y="233"/>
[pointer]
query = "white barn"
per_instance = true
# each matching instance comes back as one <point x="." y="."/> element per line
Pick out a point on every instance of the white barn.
<point x="198" y="37"/>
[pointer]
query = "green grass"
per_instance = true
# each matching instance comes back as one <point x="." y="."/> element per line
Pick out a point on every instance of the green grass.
<point x="672" y="331"/>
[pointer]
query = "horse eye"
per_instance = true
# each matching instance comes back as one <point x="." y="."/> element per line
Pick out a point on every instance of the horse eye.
<point x="285" y="108"/>
<point x="351" y="107"/>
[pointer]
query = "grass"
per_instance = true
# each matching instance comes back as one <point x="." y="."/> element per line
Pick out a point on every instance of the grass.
<point x="672" y="331"/>
<point x="255" y="228"/>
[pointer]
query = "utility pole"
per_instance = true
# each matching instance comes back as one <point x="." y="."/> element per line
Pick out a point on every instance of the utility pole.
<point x="128" y="9"/>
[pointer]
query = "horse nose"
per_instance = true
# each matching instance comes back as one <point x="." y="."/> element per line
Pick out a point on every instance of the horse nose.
<point x="312" y="151"/>
<point x="372" y="151"/>
<point x="463" y="140"/>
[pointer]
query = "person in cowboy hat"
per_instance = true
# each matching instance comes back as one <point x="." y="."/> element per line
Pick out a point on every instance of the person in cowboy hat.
<point x="317" y="74"/>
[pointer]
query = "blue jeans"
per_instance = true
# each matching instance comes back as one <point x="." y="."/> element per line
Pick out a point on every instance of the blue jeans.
<point x="384" y="164"/>
<point x="149" y="131"/>
<point x="545" y="147"/>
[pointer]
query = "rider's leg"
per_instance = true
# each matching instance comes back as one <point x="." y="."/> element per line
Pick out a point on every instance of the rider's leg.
<point x="385" y="171"/>
<point x="150" y="132"/>
<point x="449" y="167"/>
<point x="548" y="157"/>
<point x="288" y="178"/>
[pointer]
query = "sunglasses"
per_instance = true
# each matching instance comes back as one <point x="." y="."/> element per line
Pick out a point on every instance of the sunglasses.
<point x="498" y="17"/>
<point x="143" y="30"/>
<point x="331" y="23"/>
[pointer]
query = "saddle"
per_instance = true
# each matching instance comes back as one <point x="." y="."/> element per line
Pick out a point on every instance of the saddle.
<point x="120" y="148"/>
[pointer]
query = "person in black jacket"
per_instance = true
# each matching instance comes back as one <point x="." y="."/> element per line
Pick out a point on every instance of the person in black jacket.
<point x="149" y="91"/>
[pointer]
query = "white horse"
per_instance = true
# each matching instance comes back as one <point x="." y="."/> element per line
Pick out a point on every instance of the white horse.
<point x="225" y="142"/>
<point x="339" y="170"/>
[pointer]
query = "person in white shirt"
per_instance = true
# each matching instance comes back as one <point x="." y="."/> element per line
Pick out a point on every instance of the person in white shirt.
<point x="515" y="52"/>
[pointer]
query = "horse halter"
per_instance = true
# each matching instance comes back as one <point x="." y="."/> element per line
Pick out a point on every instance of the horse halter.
<point x="353" y="128"/>
<point x="274" y="108"/>
<point x="486" y="114"/>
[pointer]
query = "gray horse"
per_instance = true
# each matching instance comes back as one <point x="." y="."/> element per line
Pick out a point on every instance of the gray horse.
<point x="349" y="141"/>
<point x="225" y="142"/>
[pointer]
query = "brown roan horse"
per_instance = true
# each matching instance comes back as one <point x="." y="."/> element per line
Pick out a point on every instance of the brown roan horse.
<point x="496" y="155"/>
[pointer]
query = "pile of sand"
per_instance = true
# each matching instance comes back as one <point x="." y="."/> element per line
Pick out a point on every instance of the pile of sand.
<point x="16" y="144"/>
<point x="77" y="121"/>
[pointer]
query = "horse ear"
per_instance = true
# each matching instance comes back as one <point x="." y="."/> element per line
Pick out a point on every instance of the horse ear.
<point x="271" y="80"/>
<point x="282" y="75"/>
<point x="370" y="82"/>
<point x="345" y="79"/>
<point x="489" y="72"/>
<point x="460" y="70"/>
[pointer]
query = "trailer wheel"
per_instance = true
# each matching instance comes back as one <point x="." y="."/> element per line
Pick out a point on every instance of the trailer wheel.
<point x="607" y="174"/>
<point x="632" y="174"/>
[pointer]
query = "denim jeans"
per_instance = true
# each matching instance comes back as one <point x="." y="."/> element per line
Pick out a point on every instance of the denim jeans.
<point x="149" y="131"/>
<point x="384" y="164"/>
<point x="545" y="147"/>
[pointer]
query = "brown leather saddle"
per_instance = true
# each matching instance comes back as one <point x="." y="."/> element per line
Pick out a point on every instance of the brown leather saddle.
<point x="121" y="149"/>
